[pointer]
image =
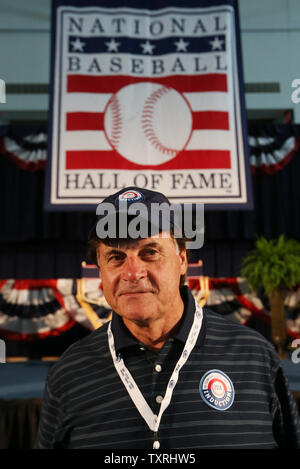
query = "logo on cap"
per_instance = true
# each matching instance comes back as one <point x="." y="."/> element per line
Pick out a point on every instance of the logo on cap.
<point x="216" y="389"/>
<point x="130" y="196"/>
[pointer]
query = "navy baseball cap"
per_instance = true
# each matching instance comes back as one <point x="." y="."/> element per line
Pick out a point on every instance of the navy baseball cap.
<point x="123" y="201"/>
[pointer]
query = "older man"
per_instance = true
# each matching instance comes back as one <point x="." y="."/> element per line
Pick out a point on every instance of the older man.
<point x="163" y="373"/>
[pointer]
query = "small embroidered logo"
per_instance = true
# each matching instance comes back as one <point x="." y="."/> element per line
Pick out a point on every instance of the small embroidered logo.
<point x="131" y="196"/>
<point x="216" y="389"/>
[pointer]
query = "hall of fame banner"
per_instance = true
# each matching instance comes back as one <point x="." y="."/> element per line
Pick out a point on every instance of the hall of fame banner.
<point x="147" y="94"/>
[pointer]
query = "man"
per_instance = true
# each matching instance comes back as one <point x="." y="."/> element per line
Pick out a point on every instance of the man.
<point x="163" y="373"/>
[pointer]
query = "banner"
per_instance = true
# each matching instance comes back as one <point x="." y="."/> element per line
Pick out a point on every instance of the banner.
<point x="149" y="95"/>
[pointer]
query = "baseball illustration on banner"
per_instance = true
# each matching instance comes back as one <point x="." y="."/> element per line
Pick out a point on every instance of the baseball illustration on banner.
<point x="148" y="123"/>
<point x="147" y="96"/>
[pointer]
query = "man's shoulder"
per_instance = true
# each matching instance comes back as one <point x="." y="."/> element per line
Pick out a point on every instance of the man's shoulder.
<point x="94" y="341"/>
<point x="93" y="347"/>
<point x="236" y="332"/>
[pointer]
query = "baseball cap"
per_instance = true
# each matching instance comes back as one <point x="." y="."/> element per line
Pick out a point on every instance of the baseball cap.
<point x="152" y="209"/>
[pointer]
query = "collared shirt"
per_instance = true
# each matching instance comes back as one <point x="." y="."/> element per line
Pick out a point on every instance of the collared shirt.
<point x="152" y="370"/>
<point x="87" y="406"/>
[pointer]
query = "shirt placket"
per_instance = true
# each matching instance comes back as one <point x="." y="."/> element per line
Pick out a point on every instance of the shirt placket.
<point x="163" y="367"/>
<point x="158" y="368"/>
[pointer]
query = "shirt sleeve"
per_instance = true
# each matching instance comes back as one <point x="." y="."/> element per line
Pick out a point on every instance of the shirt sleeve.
<point x="286" y="423"/>
<point x="50" y="419"/>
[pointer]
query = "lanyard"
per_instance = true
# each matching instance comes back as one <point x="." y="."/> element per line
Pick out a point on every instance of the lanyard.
<point x="152" y="420"/>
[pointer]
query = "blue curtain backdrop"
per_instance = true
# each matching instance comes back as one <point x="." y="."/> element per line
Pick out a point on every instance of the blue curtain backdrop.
<point x="37" y="244"/>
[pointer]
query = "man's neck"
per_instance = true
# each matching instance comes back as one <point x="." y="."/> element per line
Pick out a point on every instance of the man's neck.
<point x="154" y="334"/>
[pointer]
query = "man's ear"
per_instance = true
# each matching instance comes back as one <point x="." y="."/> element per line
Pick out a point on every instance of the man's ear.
<point x="183" y="261"/>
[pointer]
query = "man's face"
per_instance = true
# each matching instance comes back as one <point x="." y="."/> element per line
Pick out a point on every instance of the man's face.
<point x="140" y="281"/>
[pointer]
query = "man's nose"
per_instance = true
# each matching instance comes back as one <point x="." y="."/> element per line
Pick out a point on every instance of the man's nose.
<point x="133" y="269"/>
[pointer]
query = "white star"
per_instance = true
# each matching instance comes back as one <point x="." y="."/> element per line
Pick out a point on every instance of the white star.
<point x="78" y="45"/>
<point x="112" y="45"/>
<point x="181" y="45"/>
<point x="147" y="48"/>
<point x="216" y="44"/>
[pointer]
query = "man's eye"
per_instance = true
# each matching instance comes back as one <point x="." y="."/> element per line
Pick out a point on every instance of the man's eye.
<point x="115" y="258"/>
<point x="150" y="252"/>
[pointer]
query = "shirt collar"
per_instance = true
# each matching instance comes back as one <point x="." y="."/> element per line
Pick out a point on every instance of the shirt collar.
<point x="123" y="337"/>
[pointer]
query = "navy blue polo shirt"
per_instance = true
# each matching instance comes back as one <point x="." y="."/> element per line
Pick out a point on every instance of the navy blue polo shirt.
<point x="231" y="393"/>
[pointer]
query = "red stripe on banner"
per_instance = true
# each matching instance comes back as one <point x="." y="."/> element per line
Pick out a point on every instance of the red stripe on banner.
<point x="182" y="83"/>
<point x="186" y="159"/>
<point x="85" y="121"/>
<point x="34" y="284"/>
<point x="211" y="120"/>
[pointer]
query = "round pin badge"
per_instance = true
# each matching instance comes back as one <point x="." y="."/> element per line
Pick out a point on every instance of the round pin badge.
<point x="130" y="196"/>
<point x="216" y="389"/>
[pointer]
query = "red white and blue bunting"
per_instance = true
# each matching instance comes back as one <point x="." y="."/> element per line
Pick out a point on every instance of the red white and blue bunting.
<point x="37" y="309"/>
<point x="268" y="155"/>
<point x="29" y="153"/>
<point x="233" y="298"/>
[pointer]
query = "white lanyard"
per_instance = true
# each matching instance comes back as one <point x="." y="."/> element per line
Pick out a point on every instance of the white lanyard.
<point x="134" y="392"/>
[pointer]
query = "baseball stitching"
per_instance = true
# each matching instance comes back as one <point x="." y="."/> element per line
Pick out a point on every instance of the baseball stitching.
<point x="147" y="121"/>
<point x="116" y="121"/>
